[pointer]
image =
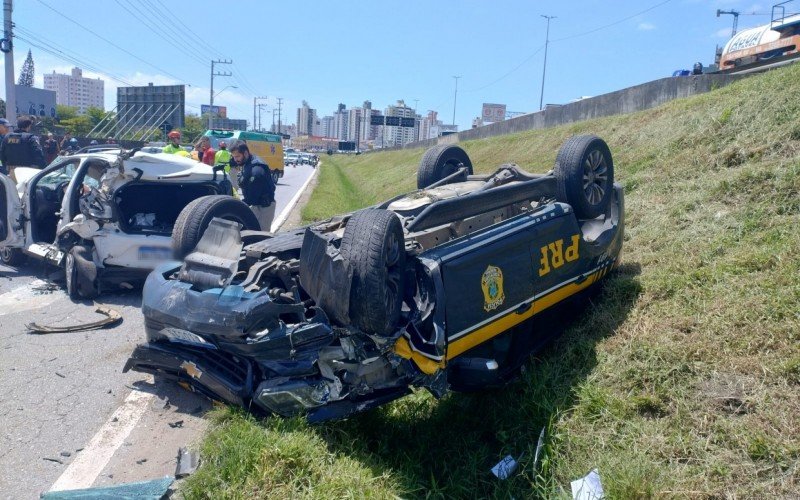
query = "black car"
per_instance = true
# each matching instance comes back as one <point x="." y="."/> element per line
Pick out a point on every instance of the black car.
<point x="438" y="288"/>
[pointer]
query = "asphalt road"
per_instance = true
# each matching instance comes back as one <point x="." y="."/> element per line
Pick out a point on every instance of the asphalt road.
<point x="64" y="398"/>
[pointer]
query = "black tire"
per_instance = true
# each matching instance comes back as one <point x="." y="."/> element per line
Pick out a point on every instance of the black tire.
<point x="12" y="256"/>
<point x="81" y="274"/>
<point x="275" y="176"/>
<point x="373" y="244"/>
<point x="196" y="216"/>
<point x="584" y="170"/>
<point x="439" y="162"/>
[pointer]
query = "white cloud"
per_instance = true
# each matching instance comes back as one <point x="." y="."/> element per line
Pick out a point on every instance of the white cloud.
<point x="646" y="27"/>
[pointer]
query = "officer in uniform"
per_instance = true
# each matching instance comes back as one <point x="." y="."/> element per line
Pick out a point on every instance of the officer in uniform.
<point x="21" y="149"/>
<point x="256" y="183"/>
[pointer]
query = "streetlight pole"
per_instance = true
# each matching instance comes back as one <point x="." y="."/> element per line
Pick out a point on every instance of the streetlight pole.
<point x="544" y="68"/>
<point x="455" y="97"/>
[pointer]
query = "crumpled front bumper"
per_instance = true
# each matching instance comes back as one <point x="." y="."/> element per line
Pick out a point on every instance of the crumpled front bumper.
<point x="245" y="349"/>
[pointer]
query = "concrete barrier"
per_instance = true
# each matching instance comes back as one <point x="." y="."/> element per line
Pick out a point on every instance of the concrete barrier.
<point x="640" y="97"/>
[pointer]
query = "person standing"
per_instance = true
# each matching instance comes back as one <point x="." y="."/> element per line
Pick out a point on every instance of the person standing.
<point x="50" y="149"/>
<point x="3" y="132"/>
<point x="223" y="157"/>
<point x="174" y="143"/>
<point x="21" y="149"/>
<point x="110" y="140"/>
<point x="256" y="182"/>
<point x="64" y="145"/>
<point x="204" y="151"/>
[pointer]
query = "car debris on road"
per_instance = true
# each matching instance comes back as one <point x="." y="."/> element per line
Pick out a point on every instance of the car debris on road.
<point x="111" y="317"/>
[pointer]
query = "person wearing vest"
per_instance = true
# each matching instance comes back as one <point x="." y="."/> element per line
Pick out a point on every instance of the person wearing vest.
<point x="21" y="149"/>
<point x="256" y="182"/>
<point x="174" y="143"/>
<point x="223" y="157"/>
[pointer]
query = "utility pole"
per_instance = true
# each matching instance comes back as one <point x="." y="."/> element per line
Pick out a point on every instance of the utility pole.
<point x="273" y="119"/>
<point x="263" y="97"/>
<point x="213" y="74"/>
<point x="416" y="125"/>
<point x="455" y="96"/>
<point x="260" y="108"/>
<point x="7" y="46"/>
<point x="280" y="101"/>
<point x="544" y="68"/>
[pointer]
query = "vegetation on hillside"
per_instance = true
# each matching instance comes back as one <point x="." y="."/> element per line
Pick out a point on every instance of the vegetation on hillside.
<point x="680" y="378"/>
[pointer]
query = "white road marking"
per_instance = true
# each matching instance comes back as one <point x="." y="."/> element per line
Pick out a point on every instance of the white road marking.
<point x="91" y="461"/>
<point x="278" y="222"/>
<point x="25" y="298"/>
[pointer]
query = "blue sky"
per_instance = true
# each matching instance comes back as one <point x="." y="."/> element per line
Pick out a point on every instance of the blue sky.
<point x="349" y="51"/>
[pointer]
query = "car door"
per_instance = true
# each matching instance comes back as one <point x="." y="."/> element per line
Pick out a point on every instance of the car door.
<point x="11" y="229"/>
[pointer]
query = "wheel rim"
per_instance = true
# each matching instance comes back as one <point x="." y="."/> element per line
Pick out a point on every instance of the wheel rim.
<point x="5" y="254"/>
<point x="393" y="273"/>
<point x="595" y="176"/>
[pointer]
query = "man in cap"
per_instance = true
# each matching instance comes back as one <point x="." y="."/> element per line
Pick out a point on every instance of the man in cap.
<point x="21" y="149"/>
<point x="174" y="145"/>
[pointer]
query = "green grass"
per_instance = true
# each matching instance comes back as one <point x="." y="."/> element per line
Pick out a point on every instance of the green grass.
<point x="681" y="377"/>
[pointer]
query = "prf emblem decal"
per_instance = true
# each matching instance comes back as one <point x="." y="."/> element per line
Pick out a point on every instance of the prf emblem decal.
<point x="492" y="285"/>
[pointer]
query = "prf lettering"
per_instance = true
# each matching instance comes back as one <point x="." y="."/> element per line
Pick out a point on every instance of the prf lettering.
<point x="554" y="254"/>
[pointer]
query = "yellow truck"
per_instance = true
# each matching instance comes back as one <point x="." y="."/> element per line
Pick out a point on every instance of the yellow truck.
<point x="268" y="147"/>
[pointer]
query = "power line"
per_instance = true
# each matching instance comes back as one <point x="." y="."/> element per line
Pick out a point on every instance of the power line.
<point x="110" y="42"/>
<point x="595" y="30"/>
<point x="510" y="72"/>
<point x="158" y="32"/>
<point x="189" y="30"/>
<point x="41" y="44"/>
<point x="184" y="43"/>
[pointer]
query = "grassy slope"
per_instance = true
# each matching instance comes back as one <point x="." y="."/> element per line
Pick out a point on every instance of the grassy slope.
<point x="682" y="377"/>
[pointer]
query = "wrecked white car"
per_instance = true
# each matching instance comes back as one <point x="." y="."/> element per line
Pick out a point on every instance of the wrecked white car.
<point x="106" y="217"/>
<point x="440" y="288"/>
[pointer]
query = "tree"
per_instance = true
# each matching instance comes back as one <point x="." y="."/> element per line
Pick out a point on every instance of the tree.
<point x="193" y="128"/>
<point x="26" y="75"/>
<point x="65" y="112"/>
<point x="78" y="126"/>
<point x="2" y="108"/>
<point x="96" y="114"/>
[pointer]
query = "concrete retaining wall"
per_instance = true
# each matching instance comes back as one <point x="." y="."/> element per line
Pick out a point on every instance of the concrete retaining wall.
<point x="645" y="96"/>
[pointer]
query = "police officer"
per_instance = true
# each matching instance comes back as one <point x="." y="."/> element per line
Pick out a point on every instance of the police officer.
<point x="256" y="183"/>
<point x="21" y="149"/>
<point x="3" y="132"/>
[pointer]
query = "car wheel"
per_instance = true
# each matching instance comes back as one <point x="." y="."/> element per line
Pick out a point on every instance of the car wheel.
<point x="196" y="216"/>
<point x="373" y="244"/>
<point x="81" y="274"/>
<point x="12" y="256"/>
<point x="275" y="177"/>
<point x="439" y="162"/>
<point x="584" y="171"/>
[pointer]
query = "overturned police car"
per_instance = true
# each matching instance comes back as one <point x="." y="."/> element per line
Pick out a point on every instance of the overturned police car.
<point x="437" y="289"/>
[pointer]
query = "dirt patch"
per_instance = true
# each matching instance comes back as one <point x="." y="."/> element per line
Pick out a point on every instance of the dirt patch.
<point x="729" y="393"/>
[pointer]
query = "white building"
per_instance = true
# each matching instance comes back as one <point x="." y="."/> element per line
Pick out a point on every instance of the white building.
<point x="397" y="136"/>
<point x="75" y="90"/>
<point x="306" y="118"/>
<point x="326" y="126"/>
<point x="340" y="122"/>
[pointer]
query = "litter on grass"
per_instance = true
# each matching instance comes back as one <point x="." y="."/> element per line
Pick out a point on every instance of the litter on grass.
<point x="588" y="487"/>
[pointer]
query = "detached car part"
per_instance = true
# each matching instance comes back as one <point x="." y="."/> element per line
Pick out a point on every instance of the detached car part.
<point x="437" y="288"/>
